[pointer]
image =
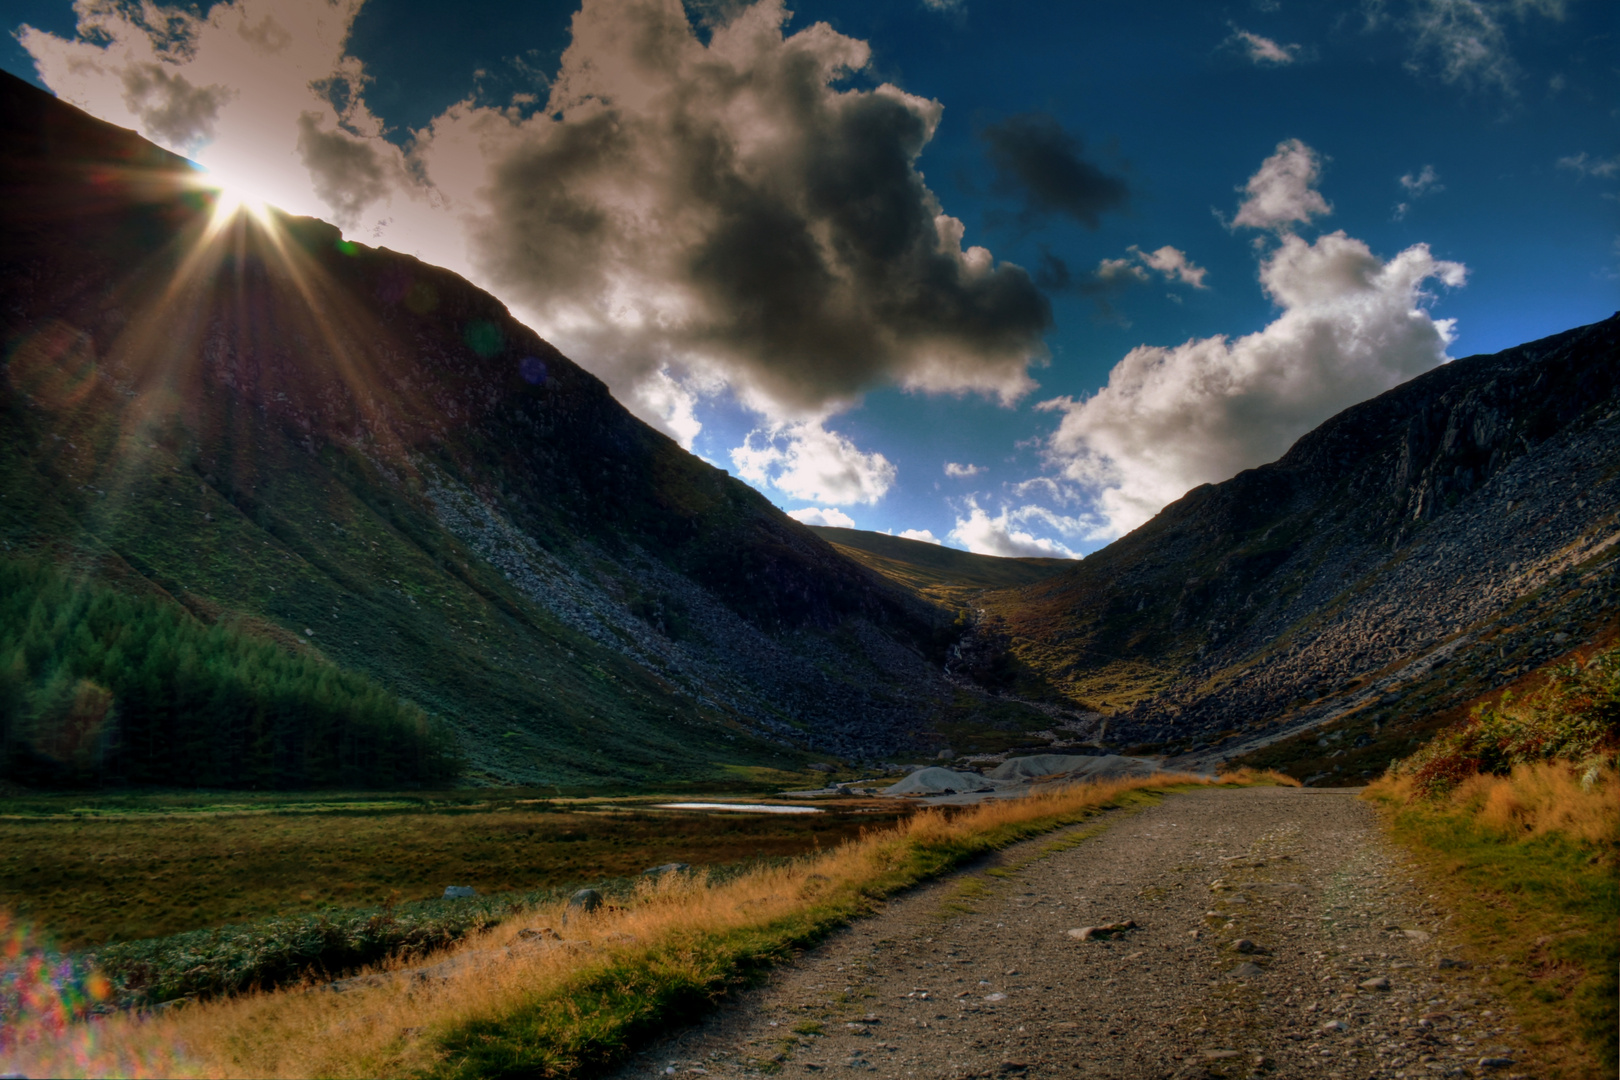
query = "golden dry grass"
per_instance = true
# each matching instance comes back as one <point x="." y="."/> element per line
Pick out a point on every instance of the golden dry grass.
<point x="1248" y="775"/>
<point x="1537" y="799"/>
<point x="398" y="1025"/>
<point x="1527" y="865"/>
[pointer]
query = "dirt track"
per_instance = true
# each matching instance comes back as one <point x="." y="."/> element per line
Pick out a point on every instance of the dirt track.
<point x="976" y="975"/>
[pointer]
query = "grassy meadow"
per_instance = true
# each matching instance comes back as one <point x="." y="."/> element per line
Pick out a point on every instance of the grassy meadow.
<point x="497" y="1005"/>
<point x="130" y="869"/>
<point x="1514" y="814"/>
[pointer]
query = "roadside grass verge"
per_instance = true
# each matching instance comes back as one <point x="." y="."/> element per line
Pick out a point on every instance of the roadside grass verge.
<point x="498" y="1005"/>
<point x="1528" y="864"/>
<point x="1515" y="814"/>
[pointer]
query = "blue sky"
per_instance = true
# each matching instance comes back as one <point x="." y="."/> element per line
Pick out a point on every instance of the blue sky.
<point x="1135" y="168"/>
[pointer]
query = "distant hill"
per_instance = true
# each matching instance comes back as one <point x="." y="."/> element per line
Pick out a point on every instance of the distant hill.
<point x="366" y="460"/>
<point x="937" y="572"/>
<point x="1410" y="554"/>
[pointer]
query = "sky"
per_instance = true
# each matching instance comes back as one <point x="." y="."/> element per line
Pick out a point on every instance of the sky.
<point x="1006" y="276"/>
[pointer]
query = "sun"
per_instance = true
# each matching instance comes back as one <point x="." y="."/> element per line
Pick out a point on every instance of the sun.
<point x="233" y="197"/>
<point x="233" y="200"/>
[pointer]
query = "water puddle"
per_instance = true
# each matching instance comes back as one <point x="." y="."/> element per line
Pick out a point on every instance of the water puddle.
<point x="751" y="808"/>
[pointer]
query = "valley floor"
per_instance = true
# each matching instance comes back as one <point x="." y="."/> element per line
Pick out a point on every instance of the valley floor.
<point x="975" y="975"/>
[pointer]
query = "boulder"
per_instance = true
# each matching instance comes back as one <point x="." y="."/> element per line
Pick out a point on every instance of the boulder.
<point x="459" y="892"/>
<point x="585" y="901"/>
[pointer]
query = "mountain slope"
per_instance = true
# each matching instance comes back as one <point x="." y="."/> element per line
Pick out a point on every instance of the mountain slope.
<point x="353" y="453"/>
<point x="1411" y="553"/>
<point x="939" y="573"/>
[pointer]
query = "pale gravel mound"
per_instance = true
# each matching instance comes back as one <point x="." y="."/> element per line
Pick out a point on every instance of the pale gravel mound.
<point x="1261" y="915"/>
<point x="937" y="781"/>
<point x="1070" y="766"/>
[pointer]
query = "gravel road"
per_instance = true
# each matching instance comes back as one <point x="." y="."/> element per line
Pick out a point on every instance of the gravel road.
<point x="1277" y="935"/>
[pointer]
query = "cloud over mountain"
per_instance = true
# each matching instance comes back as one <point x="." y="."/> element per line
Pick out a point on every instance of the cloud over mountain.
<point x="249" y="90"/>
<point x="1001" y="535"/>
<point x="806" y="461"/>
<point x="681" y="216"/>
<point x="823" y="515"/>
<point x="1173" y="417"/>
<point x="726" y="209"/>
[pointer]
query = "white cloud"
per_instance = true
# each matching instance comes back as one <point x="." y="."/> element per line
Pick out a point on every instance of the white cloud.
<point x="925" y="535"/>
<point x="1263" y="50"/>
<point x="1283" y="192"/>
<point x="1172" y="418"/>
<point x="1173" y="264"/>
<point x="1114" y="273"/>
<point x="1466" y="42"/>
<point x="249" y="92"/>
<point x="1463" y="42"/>
<point x="1416" y="185"/>
<point x="962" y="472"/>
<point x="684" y="211"/>
<point x="1053" y="490"/>
<point x="806" y="461"/>
<point x="1583" y="164"/>
<point x="823" y="515"/>
<point x="1422" y="182"/>
<point x="985" y="535"/>
<point x="670" y="403"/>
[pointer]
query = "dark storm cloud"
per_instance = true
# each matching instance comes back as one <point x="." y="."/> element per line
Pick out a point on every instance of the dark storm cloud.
<point x="1044" y="164"/>
<point x="724" y="208"/>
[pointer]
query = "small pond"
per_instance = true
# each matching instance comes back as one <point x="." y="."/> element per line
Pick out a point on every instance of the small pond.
<point x="751" y="808"/>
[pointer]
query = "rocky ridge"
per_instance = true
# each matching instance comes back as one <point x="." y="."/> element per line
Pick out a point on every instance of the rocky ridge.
<point x="1406" y="555"/>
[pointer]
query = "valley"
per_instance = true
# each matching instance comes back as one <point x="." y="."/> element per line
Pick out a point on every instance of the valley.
<point x="364" y="461"/>
<point x="426" y="672"/>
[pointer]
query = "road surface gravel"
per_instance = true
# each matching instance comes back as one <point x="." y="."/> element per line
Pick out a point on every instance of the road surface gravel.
<point x="1278" y="934"/>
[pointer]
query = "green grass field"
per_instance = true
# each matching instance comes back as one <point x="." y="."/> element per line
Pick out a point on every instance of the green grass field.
<point x="88" y="872"/>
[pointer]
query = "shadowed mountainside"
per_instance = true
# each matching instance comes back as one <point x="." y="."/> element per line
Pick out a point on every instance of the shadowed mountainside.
<point x="1409" y="554"/>
<point x="361" y="456"/>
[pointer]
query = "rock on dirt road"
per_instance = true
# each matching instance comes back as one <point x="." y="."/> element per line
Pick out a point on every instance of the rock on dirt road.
<point x="1276" y="934"/>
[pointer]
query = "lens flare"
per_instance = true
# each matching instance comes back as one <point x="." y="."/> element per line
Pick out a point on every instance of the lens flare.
<point x="233" y="196"/>
<point x="50" y="1023"/>
<point x="232" y="201"/>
